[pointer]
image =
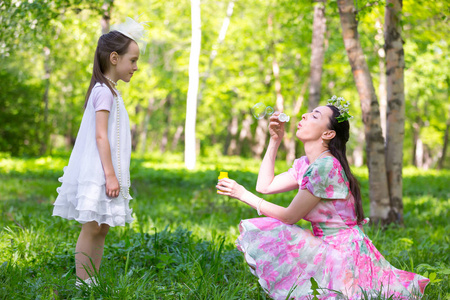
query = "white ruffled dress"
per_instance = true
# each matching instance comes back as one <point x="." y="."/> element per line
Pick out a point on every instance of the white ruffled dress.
<point x="82" y="195"/>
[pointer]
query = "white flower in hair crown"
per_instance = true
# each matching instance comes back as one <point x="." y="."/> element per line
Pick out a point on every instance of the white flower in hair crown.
<point x="133" y="30"/>
<point x="341" y="104"/>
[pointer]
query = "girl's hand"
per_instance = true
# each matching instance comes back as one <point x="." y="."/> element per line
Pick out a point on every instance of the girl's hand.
<point x="229" y="187"/>
<point x="276" y="128"/>
<point x="112" y="186"/>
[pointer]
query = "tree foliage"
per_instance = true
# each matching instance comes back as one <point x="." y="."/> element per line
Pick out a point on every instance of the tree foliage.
<point x="240" y="76"/>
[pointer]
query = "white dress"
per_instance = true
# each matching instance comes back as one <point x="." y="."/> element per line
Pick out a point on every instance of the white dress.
<point x="82" y="195"/>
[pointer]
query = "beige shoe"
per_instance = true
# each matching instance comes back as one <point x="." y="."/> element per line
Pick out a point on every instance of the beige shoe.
<point x="91" y="281"/>
<point x="78" y="283"/>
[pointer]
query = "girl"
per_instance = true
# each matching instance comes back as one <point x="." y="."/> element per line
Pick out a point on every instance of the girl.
<point x="95" y="185"/>
<point x="337" y="254"/>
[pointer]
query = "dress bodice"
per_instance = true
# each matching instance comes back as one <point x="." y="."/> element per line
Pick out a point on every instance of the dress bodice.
<point x="330" y="216"/>
<point x="325" y="178"/>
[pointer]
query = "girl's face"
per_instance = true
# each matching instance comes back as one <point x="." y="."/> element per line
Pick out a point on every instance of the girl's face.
<point x="314" y="124"/>
<point x="127" y="63"/>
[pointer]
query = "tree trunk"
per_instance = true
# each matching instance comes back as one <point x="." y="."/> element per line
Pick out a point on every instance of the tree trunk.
<point x="46" y="126"/>
<point x="276" y="74"/>
<point x="395" y="126"/>
<point x="427" y="159"/>
<point x="212" y="56"/>
<point x="358" y="155"/>
<point x="165" y="136"/>
<point x="144" y="129"/>
<point x="135" y="131"/>
<point x="444" y="147"/>
<point x="176" y="137"/>
<point x="317" y="53"/>
<point x="378" y="191"/>
<point x="291" y="138"/>
<point x="260" y="138"/>
<point x="382" y="85"/>
<point x="441" y="162"/>
<point x="191" y="103"/>
<point x="104" y="22"/>
<point x="417" y="143"/>
<point x="275" y="66"/>
<point x="245" y="133"/>
<point x="232" y="134"/>
<point x="288" y="143"/>
<point x="382" y="94"/>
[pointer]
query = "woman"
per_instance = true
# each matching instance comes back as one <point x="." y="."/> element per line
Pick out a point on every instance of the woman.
<point x="337" y="254"/>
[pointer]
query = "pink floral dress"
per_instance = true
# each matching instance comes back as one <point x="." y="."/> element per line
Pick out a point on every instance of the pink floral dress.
<point x="337" y="254"/>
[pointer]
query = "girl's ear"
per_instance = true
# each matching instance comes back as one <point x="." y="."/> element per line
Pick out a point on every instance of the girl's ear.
<point x="114" y="58"/>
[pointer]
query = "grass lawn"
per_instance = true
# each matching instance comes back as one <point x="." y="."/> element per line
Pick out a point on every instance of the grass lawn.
<point x="181" y="245"/>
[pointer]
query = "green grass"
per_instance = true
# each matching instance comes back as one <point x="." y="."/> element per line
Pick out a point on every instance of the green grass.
<point x="181" y="245"/>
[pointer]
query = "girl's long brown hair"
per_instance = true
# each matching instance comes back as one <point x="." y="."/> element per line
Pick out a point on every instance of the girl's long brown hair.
<point x="110" y="42"/>
<point x="338" y="149"/>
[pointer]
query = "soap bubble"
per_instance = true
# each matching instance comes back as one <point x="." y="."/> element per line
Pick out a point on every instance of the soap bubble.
<point x="269" y="110"/>
<point x="260" y="110"/>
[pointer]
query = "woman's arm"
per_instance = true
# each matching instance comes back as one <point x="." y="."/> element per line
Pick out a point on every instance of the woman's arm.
<point x="267" y="182"/>
<point x="104" y="150"/>
<point x="300" y="206"/>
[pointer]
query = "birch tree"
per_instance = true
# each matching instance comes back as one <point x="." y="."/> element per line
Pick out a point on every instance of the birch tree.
<point x="220" y="40"/>
<point x="275" y="65"/>
<point x="317" y="53"/>
<point x="378" y="190"/>
<point x="445" y="143"/>
<point x="395" y="127"/>
<point x="191" y="103"/>
<point x="106" y="17"/>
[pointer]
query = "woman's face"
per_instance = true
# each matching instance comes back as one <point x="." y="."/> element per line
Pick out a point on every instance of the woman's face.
<point x="314" y="124"/>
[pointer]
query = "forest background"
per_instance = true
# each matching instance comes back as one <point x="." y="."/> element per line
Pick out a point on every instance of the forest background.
<point x="47" y="48"/>
<point x="46" y="54"/>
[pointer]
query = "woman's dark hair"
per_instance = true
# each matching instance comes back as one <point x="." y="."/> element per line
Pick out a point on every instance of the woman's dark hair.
<point x="338" y="149"/>
<point x="110" y="42"/>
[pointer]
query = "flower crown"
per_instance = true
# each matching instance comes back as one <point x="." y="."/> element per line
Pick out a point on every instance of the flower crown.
<point x="341" y="104"/>
<point x="133" y="30"/>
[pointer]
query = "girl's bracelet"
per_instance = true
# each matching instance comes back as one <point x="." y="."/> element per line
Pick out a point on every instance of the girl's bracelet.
<point x="258" y="207"/>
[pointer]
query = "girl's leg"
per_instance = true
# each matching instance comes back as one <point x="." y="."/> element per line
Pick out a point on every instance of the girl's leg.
<point x="90" y="245"/>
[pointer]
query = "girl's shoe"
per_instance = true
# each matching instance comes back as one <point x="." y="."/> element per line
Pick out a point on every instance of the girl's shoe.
<point x="79" y="283"/>
<point x="91" y="281"/>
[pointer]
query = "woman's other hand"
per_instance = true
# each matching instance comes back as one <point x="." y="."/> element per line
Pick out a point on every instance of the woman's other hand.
<point x="276" y="127"/>
<point x="229" y="187"/>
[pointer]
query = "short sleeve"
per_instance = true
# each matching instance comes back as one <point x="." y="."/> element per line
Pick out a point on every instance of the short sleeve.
<point x="102" y="98"/>
<point x="298" y="168"/>
<point x="326" y="179"/>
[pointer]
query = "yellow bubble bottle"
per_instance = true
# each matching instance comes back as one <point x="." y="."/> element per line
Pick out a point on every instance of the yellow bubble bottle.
<point x="221" y="176"/>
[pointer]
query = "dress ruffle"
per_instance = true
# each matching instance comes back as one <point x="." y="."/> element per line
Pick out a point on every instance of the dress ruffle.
<point x="87" y="202"/>
<point x="285" y="257"/>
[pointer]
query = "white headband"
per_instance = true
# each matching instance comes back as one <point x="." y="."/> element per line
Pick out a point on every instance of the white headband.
<point x="133" y="30"/>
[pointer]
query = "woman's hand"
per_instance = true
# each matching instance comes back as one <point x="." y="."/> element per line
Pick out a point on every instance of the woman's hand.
<point x="276" y="127"/>
<point x="229" y="187"/>
<point x="112" y="186"/>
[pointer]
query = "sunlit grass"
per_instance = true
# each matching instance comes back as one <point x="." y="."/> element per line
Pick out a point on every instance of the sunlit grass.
<point x="181" y="245"/>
